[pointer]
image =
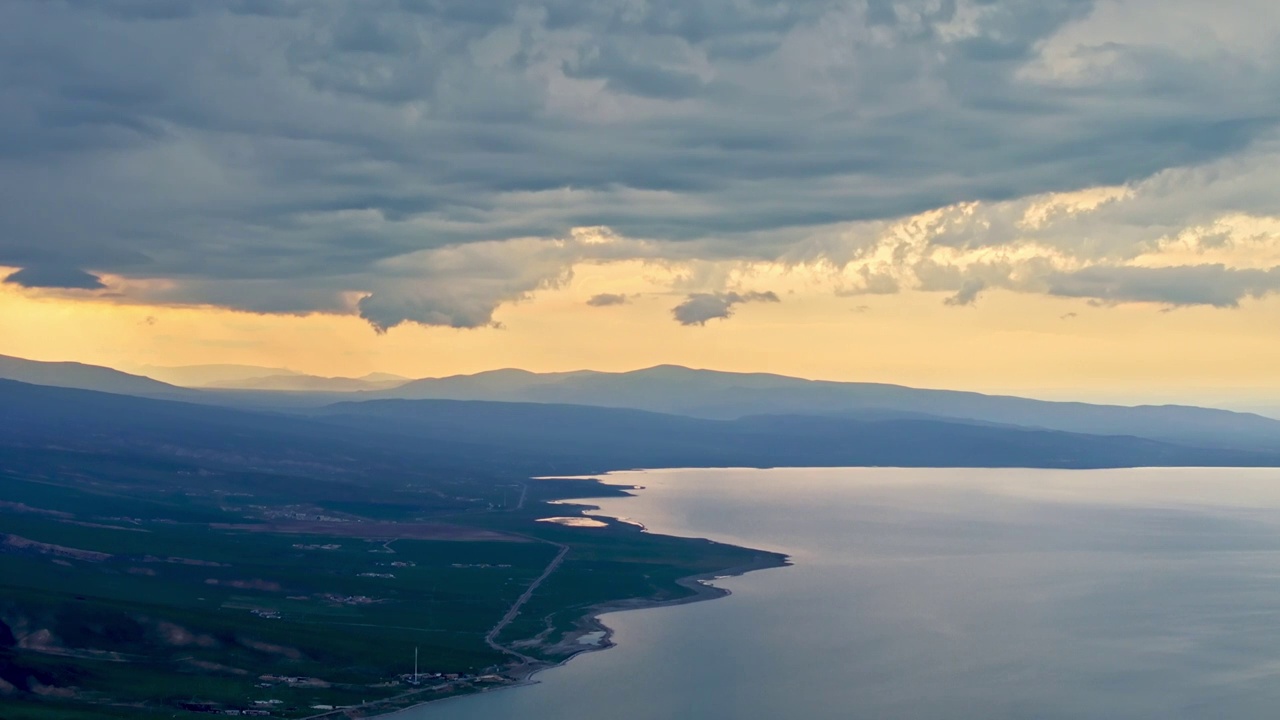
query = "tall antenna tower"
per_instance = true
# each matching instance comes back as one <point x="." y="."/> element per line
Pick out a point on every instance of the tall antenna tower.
<point x="415" y="664"/>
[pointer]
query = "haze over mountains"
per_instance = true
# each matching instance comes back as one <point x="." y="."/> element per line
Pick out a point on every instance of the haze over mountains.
<point x="85" y="377"/>
<point x="542" y="438"/>
<point x="721" y="395"/>
<point x="253" y="377"/>
<point x="731" y="407"/>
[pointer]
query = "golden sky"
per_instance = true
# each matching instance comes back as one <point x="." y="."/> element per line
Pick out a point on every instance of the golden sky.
<point x="1054" y="347"/>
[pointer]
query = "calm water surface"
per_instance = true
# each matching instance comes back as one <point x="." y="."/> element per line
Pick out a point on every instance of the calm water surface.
<point x="955" y="594"/>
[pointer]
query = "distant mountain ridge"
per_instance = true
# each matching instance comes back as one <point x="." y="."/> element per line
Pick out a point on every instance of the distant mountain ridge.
<point x="575" y="436"/>
<point x="702" y="394"/>
<point x="541" y="438"/>
<point x="203" y="375"/>
<point x="252" y="377"/>
<point x="86" y="377"/>
<point x="308" y="383"/>
<point x="723" y="395"/>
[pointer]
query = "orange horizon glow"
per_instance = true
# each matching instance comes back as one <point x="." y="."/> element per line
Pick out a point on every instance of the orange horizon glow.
<point x="1012" y="343"/>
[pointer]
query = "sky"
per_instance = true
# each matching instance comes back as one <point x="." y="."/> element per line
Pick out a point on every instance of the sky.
<point x="1056" y="197"/>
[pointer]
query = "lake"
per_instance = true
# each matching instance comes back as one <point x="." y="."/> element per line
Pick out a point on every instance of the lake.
<point x="947" y="594"/>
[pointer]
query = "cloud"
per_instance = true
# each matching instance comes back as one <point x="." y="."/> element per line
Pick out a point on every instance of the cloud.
<point x="868" y="281"/>
<point x="462" y="286"/>
<point x="1214" y="285"/>
<point x="968" y="293"/>
<point x="328" y="156"/>
<point x="1105" y="284"/>
<point x="607" y="299"/>
<point x="53" y="276"/>
<point x="698" y="308"/>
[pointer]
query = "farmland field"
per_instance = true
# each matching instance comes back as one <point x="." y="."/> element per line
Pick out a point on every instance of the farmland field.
<point x="132" y="586"/>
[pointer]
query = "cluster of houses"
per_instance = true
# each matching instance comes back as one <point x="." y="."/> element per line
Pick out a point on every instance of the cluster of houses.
<point x="295" y="515"/>
<point x="214" y="709"/>
<point x="265" y="708"/>
<point x="419" y="678"/>
<point x="291" y="681"/>
<point x="349" y="599"/>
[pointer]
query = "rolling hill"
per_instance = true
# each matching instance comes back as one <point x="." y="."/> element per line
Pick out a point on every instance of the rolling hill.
<point x="539" y="438"/>
<point x="86" y="377"/>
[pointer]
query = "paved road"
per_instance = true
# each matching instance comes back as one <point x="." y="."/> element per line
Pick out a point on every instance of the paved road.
<point x="492" y="637"/>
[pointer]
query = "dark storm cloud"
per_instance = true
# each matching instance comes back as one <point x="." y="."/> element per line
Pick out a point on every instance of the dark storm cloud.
<point x="698" y="308"/>
<point x="293" y="151"/>
<point x="52" y="276"/>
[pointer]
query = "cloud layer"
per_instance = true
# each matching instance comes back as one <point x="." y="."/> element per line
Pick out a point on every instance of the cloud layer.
<point x="421" y="161"/>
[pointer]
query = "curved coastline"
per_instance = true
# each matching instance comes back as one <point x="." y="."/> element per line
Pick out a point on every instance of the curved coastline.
<point x="699" y="584"/>
<point x="519" y="674"/>
<point x="591" y="621"/>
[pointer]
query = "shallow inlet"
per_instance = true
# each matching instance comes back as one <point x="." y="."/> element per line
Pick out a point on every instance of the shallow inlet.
<point x="582" y="522"/>
<point x="945" y="594"/>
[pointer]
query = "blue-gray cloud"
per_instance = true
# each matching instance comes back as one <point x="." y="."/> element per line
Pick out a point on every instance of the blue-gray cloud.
<point x="1104" y="284"/>
<point x="1213" y="284"/>
<point x="276" y="155"/>
<point x="53" y="276"/>
<point x="968" y="293"/>
<point x="698" y="308"/>
<point x="606" y="300"/>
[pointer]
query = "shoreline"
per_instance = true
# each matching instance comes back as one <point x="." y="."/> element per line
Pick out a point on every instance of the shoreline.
<point x="699" y="584"/>
<point x="523" y="675"/>
<point x="518" y="674"/>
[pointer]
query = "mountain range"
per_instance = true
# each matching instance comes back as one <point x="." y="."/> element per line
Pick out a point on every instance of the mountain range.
<point x="722" y="395"/>
<point x="86" y="377"/>
<point x="464" y="437"/>
<point x="715" y="407"/>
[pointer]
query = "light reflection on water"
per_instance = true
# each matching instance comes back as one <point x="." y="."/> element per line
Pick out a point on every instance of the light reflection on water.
<point x="1150" y="593"/>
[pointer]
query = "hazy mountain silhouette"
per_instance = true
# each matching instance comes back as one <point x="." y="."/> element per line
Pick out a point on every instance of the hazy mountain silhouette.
<point x="86" y="377"/>
<point x="540" y="438"/>
<point x="309" y="383"/>
<point x="723" y="395"/>
<point x="574" y="435"/>
<point x="702" y="394"/>
<point x="203" y="375"/>
<point x="253" y="377"/>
